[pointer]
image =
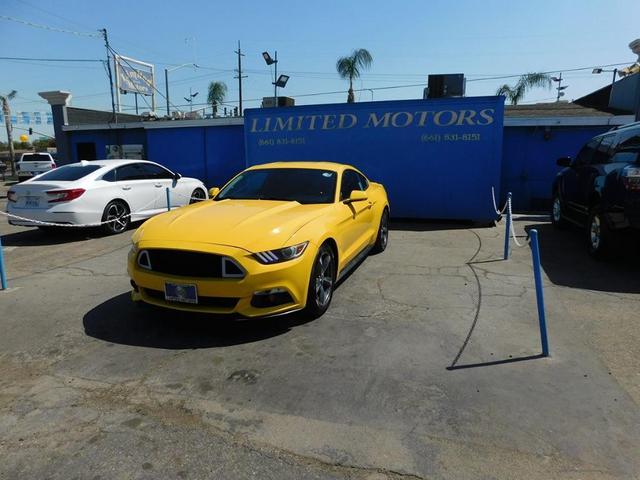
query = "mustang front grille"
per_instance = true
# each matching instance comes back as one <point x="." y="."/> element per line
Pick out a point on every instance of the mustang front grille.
<point x="185" y="263"/>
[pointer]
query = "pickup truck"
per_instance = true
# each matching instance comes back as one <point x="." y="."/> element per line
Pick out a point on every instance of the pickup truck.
<point x="32" y="164"/>
<point x="599" y="190"/>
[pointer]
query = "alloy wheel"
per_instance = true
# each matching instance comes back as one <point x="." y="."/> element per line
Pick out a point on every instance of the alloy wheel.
<point x="384" y="231"/>
<point x="197" y="196"/>
<point x="556" y="210"/>
<point x="324" y="279"/>
<point x="595" y="231"/>
<point x="116" y="215"/>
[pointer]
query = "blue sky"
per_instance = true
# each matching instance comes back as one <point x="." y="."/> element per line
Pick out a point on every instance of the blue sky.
<point x="408" y="40"/>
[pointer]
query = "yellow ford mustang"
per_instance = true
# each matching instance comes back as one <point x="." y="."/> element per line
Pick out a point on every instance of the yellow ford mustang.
<point x="274" y="240"/>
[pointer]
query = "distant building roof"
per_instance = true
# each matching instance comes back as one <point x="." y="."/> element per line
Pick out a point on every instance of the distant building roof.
<point x="82" y="116"/>
<point x="555" y="109"/>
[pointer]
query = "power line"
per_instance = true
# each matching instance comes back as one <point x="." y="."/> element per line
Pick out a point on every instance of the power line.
<point x="50" y="28"/>
<point x="51" y="59"/>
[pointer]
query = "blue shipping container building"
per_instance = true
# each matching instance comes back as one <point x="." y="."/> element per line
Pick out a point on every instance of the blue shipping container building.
<point x="437" y="158"/>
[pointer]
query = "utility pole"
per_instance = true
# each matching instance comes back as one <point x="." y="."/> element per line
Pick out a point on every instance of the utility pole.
<point x="6" y="111"/>
<point x="239" y="77"/>
<point x="113" y="102"/>
<point x="275" y="80"/>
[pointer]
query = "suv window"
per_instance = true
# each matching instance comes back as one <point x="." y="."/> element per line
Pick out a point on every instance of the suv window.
<point x="586" y="153"/>
<point x="156" y="171"/>
<point x="629" y="141"/>
<point x="352" y="180"/>
<point x="133" y="171"/>
<point x="603" y="152"/>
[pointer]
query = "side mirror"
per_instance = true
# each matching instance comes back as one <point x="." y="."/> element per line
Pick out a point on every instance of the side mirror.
<point x="213" y="192"/>
<point x="356" y="196"/>
<point x="177" y="176"/>
<point x="564" y="162"/>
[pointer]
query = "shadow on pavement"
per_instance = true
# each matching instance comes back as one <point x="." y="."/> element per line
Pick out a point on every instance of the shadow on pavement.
<point x="564" y="258"/>
<point x="119" y="320"/>
<point x="495" y="362"/>
<point x="415" y="225"/>
<point x="36" y="237"/>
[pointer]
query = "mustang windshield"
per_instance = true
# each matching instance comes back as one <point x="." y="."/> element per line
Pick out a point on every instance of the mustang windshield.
<point x="302" y="185"/>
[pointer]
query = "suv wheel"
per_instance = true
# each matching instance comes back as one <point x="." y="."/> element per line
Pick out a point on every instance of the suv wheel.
<point x="599" y="236"/>
<point x="556" y="213"/>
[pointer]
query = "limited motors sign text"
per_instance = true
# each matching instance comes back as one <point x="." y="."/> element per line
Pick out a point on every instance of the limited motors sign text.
<point x="342" y="121"/>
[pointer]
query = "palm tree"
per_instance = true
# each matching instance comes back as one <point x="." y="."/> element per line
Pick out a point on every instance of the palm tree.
<point x="217" y="92"/>
<point x="525" y="82"/>
<point x="6" y="111"/>
<point x="350" y="67"/>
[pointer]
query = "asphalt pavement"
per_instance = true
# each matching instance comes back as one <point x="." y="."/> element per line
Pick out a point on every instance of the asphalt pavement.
<point x="426" y="365"/>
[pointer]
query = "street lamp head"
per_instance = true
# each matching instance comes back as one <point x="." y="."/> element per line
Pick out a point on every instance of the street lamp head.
<point x="194" y="94"/>
<point x="282" y="81"/>
<point x="267" y="58"/>
<point x="555" y="79"/>
<point x="597" y="70"/>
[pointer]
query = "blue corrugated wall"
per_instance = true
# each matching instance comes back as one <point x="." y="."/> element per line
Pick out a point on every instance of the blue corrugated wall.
<point x="529" y="161"/>
<point x="215" y="154"/>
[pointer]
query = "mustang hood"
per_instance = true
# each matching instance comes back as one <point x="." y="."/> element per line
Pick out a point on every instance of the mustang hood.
<point x="253" y="225"/>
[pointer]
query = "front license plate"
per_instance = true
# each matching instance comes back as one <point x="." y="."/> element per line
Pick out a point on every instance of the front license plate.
<point x="180" y="292"/>
<point x="31" y="202"/>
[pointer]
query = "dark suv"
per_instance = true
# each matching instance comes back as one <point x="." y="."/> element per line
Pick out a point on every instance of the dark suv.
<point x="600" y="189"/>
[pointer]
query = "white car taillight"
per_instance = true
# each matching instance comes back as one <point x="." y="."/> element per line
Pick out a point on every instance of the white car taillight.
<point x="53" y="164"/>
<point x="631" y="177"/>
<point x="65" y="195"/>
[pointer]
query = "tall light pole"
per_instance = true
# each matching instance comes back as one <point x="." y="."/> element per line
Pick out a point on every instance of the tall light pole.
<point x="278" y="81"/>
<point x="274" y="62"/>
<point x="190" y="99"/>
<point x="560" y="87"/>
<point x="166" y="81"/>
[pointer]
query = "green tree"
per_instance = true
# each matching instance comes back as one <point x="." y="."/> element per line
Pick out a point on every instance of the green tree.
<point x="6" y="111"/>
<point x="351" y="66"/>
<point x="525" y="83"/>
<point x="217" y="93"/>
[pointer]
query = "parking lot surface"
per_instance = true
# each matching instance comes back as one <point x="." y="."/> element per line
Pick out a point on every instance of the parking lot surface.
<point x="426" y="366"/>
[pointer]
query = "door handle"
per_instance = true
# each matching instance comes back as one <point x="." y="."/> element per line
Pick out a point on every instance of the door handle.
<point x="157" y="185"/>
<point x="126" y="187"/>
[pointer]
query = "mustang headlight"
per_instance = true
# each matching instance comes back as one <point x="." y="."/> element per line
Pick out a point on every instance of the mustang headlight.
<point x="282" y="254"/>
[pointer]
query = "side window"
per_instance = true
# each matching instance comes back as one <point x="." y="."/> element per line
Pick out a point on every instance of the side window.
<point x="586" y="153"/>
<point x="110" y="176"/>
<point x="350" y="182"/>
<point x="603" y="152"/>
<point x="156" y="171"/>
<point x="364" y="183"/>
<point x="133" y="171"/>
<point x="629" y="141"/>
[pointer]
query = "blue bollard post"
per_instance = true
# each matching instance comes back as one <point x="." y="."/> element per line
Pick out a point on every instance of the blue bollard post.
<point x="168" y="200"/>
<point x="3" y="275"/>
<point x="507" y="232"/>
<point x="537" y="275"/>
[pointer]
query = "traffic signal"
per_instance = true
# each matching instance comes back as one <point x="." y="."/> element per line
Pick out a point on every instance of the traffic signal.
<point x="30" y="131"/>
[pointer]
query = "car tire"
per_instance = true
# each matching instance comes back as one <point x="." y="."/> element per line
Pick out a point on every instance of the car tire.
<point x="116" y="209"/>
<point x="382" y="237"/>
<point x="557" y="220"/>
<point x="321" y="282"/>
<point x="198" y="195"/>
<point x="600" y="238"/>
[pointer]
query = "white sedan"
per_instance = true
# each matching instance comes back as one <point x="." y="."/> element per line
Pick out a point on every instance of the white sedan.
<point x="115" y="192"/>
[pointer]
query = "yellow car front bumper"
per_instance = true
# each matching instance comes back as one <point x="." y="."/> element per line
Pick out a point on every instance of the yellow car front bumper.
<point x="225" y="295"/>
